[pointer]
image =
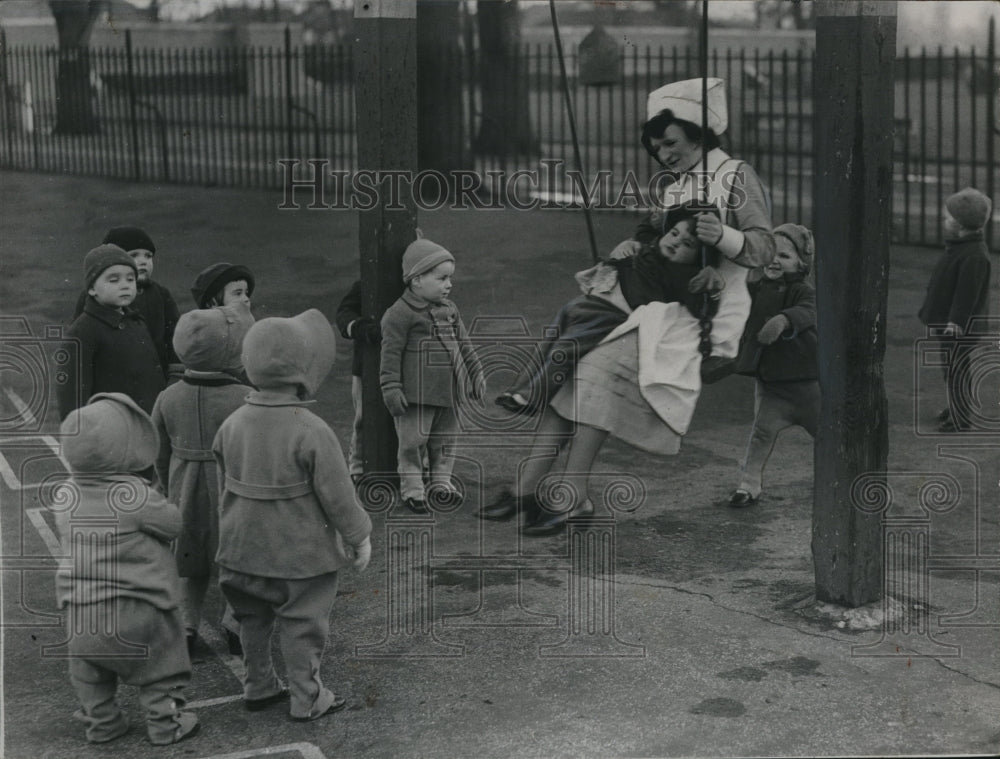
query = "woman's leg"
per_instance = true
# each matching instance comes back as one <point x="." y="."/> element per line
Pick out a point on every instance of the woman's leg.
<point x="587" y="442"/>
<point x="551" y="436"/>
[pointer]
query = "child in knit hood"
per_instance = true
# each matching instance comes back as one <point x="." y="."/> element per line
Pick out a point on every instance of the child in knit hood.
<point x="153" y="301"/>
<point x="958" y="293"/>
<point x="120" y="591"/>
<point x="187" y="415"/>
<point x="779" y="349"/>
<point x="420" y="390"/>
<point x="288" y="518"/>
<point x="116" y="350"/>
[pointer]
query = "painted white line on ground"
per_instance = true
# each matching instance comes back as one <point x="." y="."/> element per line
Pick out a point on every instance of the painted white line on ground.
<point x="206" y="702"/>
<point x="45" y="532"/>
<point x="306" y="750"/>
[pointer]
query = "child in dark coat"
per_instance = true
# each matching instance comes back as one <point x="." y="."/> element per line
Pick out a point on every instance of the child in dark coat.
<point x="223" y="284"/>
<point x="779" y="349"/>
<point x="288" y="518"/>
<point x="152" y="300"/>
<point x="428" y="367"/>
<point x="187" y="415"/>
<point x="116" y="350"/>
<point x="663" y="270"/>
<point x="957" y="293"/>
<point x="120" y="590"/>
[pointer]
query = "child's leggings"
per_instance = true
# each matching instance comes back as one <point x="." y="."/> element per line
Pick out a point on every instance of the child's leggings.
<point x="301" y="609"/>
<point x="425" y="427"/>
<point x="579" y="327"/>
<point x="777" y="406"/>
<point x="106" y="642"/>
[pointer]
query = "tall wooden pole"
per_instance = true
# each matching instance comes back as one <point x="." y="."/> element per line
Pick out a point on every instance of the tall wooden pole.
<point x="385" y="64"/>
<point x="854" y="94"/>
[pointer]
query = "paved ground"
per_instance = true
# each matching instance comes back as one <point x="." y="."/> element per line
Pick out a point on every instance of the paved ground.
<point x="702" y="639"/>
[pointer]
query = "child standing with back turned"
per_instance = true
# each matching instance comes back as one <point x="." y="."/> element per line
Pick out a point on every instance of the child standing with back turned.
<point x="121" y="590"/>
<point x="288" y="518"/>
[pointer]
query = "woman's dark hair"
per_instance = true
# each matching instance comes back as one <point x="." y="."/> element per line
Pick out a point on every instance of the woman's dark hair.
<point x="656" y="126"/>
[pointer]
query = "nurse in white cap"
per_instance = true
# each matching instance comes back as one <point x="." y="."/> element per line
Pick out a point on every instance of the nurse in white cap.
<point x="642" y="383"/>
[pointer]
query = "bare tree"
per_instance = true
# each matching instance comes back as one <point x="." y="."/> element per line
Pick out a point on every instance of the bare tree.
<point x="74" y="106"/>
<point x="505" y="125"/>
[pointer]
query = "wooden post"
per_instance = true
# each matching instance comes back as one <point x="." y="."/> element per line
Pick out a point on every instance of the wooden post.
<point x="854" y="94"/>
<point x="385" y="61"/>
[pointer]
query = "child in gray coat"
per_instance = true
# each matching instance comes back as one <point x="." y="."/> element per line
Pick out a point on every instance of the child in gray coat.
<point x="120" y="590"/>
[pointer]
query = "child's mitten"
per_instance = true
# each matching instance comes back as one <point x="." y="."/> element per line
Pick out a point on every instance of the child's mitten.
<point x="772" y="329"/>
<point x="395" y="401"/>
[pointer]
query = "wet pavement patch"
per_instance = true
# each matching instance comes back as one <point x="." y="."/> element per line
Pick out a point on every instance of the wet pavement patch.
<point x="719" y="707"/>
<point x="747" y="674"/>
<point x="797" y="665"/>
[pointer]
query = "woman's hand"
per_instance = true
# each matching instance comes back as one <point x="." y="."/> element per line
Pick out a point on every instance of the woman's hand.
<point x="625" y="249"/>
<point x="709" y="229"/>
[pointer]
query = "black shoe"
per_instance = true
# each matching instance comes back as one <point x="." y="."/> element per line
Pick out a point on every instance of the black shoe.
<point x="502" y="509"/>
<point x="192" y="640"/>
<point x="741" y="499"/>
<point x="547" y="523"/>
<point x="415" y="505"/>
<point x="259" y="704"/>
<point x="531" y="510"/>
<point x="233" y="643"/>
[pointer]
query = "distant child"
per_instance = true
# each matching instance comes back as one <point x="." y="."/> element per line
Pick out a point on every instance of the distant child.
<point x="428" y="367"/>
<point x="360" y="329"/>
<point x="187" y="415"/>
<point x="779" y="348"/>
<point x="223" y="284"/>
<point x="153" y="301"/>
<point x="120" y="591"/>
<point x="663" y="270"/>
<point x="116" y="350"/>
<point x="957" y="293"/>
<point x="288" y="518"/>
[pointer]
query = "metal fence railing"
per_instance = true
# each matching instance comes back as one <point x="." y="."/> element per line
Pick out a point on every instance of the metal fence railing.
<point x="228" y="117"/>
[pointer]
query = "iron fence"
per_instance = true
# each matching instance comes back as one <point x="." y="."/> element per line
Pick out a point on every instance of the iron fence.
<point x="229" y="117"/>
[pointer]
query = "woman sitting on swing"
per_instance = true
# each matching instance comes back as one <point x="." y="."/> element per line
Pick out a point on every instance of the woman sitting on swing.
<point x="642" y="382"/>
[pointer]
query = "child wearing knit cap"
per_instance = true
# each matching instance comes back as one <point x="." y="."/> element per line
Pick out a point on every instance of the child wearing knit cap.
<point x="957" y="293"/>
<point x="116" y="350"/>
<point x="288" y="517"/>
<point x="152" y="300"/>
<point x="187" y="415"/>
<point x="120" y="589"/>
<point x="428" y="367"/>
<point x="779" y="349"/>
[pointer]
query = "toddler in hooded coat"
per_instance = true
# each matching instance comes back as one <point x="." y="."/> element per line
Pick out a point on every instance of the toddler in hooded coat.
<point x="187" y="415"/>
<point x="125" y="581"/>
<point x="288" y="518"/>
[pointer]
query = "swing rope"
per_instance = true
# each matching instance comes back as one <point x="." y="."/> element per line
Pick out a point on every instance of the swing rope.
<point x="572" y="125"/>
<point x="705" y="322"/>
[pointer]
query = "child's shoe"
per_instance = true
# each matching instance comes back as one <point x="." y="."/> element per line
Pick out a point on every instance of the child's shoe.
<point x="104" y="732"/>
<point x="512" y="402"/>
<point x="443" y="498"/>
<point x="335" y="704"/>
<point x="187" y="727"/>
<point x="417" y="506"/>
<point x="741" y="499"/>
<point x="259" y="704"/>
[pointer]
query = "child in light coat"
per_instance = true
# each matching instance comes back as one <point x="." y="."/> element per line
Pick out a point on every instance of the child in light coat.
<point x="120" y="590"/>
<point x="779" y="348"/>
<point x="288" y="518"/>
<point x="187" y="415"/>
<point x="428" y="368"/>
